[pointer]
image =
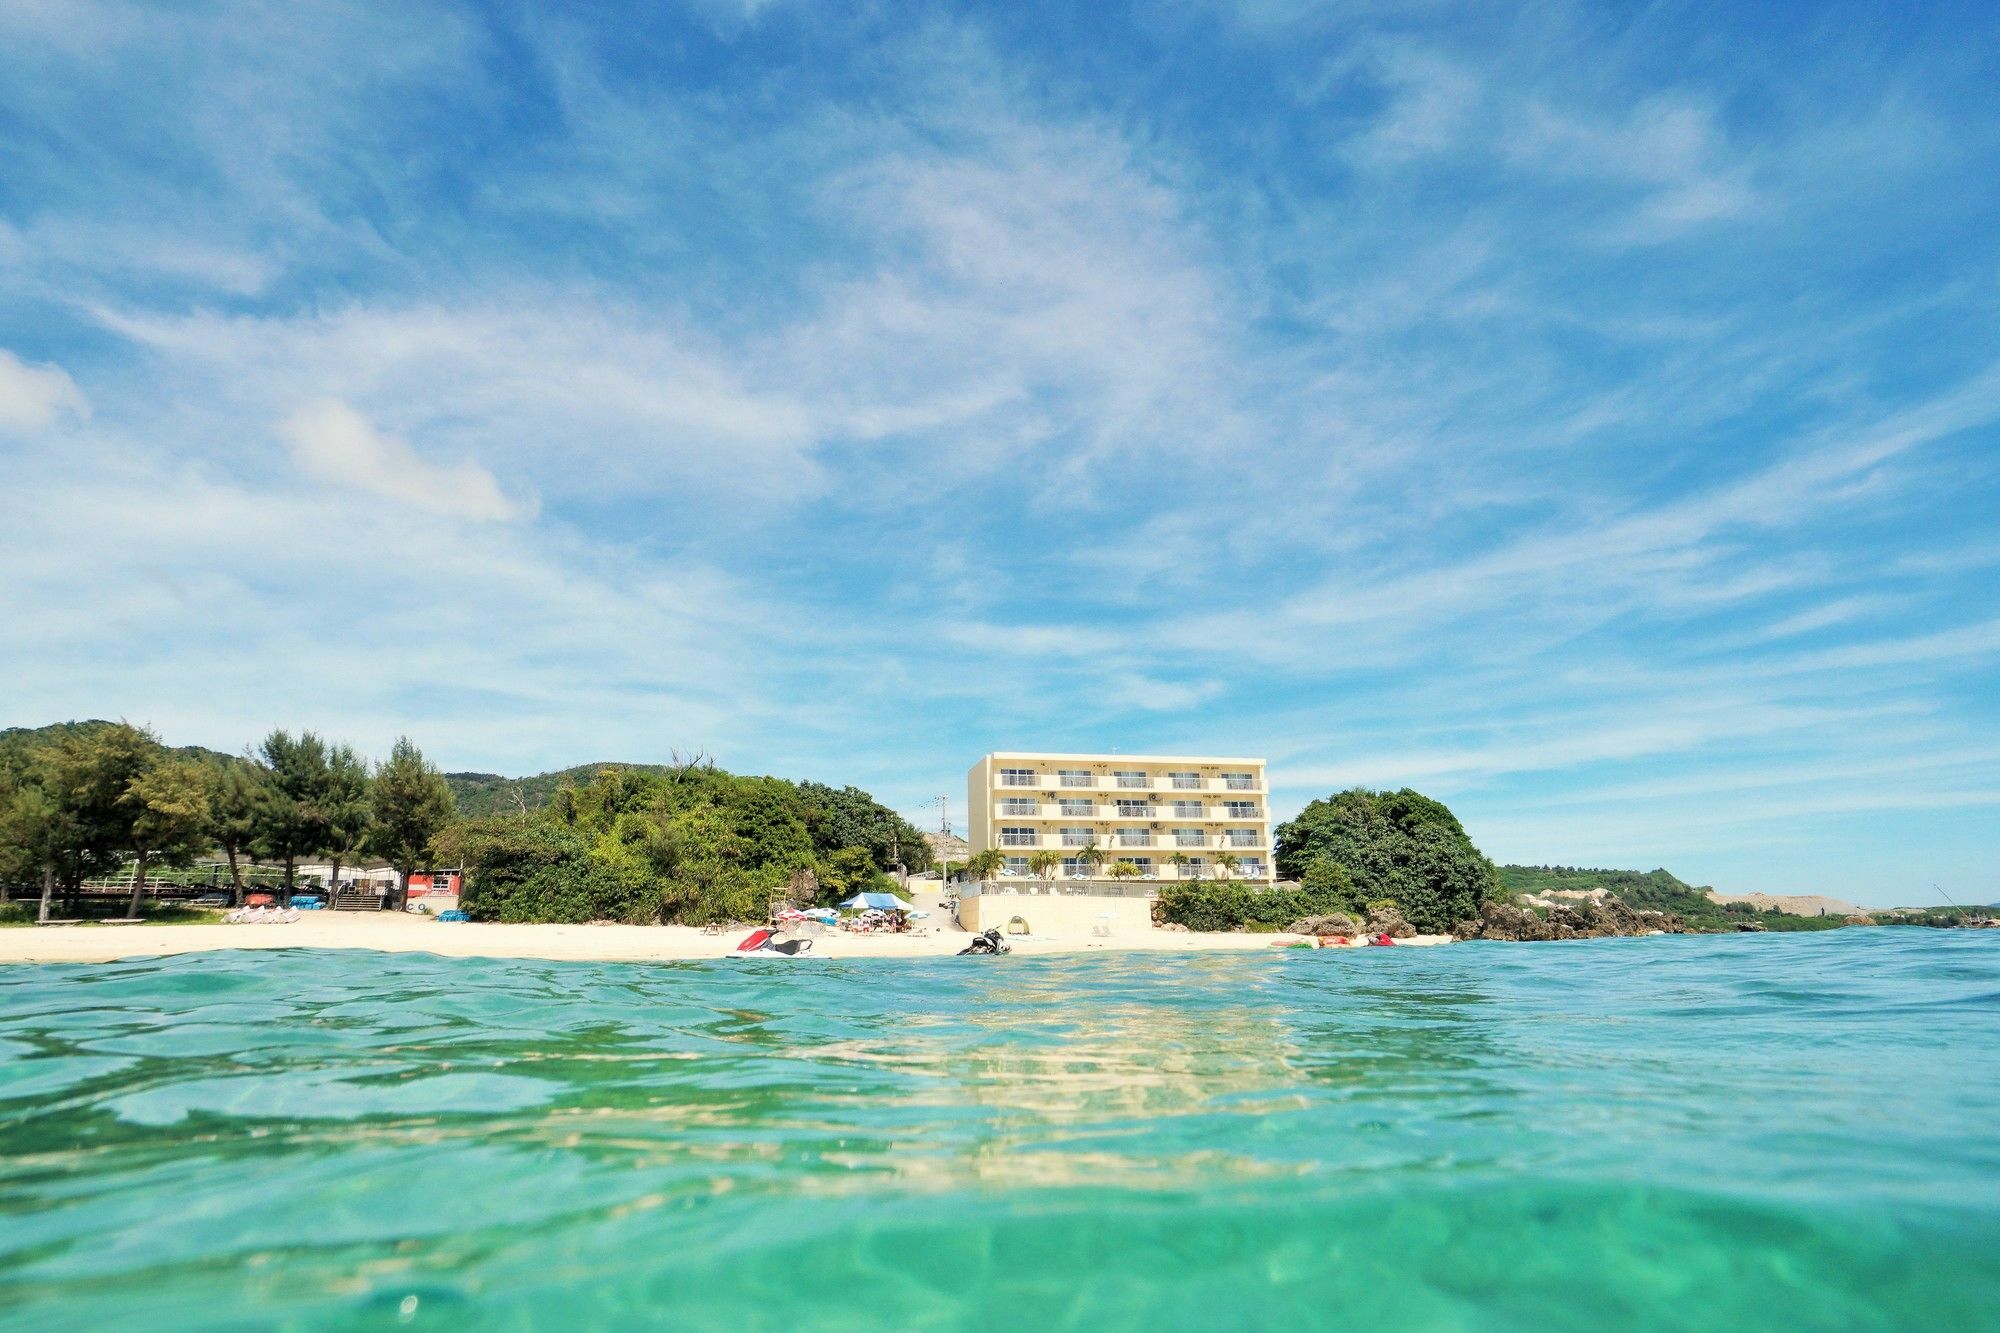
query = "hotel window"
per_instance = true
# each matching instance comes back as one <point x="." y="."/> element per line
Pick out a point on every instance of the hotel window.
<point x="1240" y="781"/>
<point x="1078" y="837"/>
<point x="1187" y="837"/>
<point x="1135" y="809"/>
<point x="1083" y="807"/>
<point x="1132" y="778"/>
<point x="1145" y="863"/>
<point x="1193" y="868"/>
<point x="1017" y="777"/>
<point x="1016" y="806"/>
<point x="1016" y="865"/>
<point x="1134" y="837"/>
<point x="1186" y="781"/>
<point x="1187" y="809"/>
<point x="1017" y="837"/>
<point x="1250" y="868"/>
<point x="1241" y="809"/>
<point x="1075" y="777"/>
<point x="1074" y="866"/>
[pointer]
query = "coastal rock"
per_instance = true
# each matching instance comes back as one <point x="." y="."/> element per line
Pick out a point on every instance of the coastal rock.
<point x="1388" y="921"/>
<point x="1599" y="919"/>
<point x="1171" y="925"/>
<point x="1333" y="923"/>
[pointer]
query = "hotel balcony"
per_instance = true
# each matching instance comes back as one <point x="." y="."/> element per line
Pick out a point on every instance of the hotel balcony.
<point x="1044" y="781"/>
<point x="1162" y="813"/>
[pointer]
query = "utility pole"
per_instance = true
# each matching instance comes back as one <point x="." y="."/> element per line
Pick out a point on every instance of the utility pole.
<point x="944" y="815"/>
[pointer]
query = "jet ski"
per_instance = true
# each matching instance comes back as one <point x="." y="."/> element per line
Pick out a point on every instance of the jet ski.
<point x="987" y="942"/>
<point x="766" y="944"/>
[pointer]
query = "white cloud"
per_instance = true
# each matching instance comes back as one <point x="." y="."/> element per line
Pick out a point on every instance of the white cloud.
<point x="33" y="397"/>
<point x="333" y="443"/>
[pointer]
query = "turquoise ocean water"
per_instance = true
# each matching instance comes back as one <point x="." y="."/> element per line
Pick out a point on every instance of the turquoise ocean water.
<point x="1723" y="1132"/>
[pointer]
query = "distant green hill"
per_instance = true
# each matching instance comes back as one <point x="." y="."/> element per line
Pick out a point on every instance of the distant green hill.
<point x="494" y="794"/>
<point x="31" y="736"/>
<point x="1657" y="891"/>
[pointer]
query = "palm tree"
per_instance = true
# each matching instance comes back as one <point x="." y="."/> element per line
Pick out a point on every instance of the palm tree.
<point x="986" y="864"/>
<point x="1225" y="865"/>
<point x="1179" y="861"/>
<point x="1092" y="856"/>
<point x="1042" y="862"/>
<point x="1123" y="870"/>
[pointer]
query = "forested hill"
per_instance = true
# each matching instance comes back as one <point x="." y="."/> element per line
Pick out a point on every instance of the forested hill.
<point x="1658" y="891"/>
<point x="26" y="737"/>
<point x="1647" y="890"/>
<point x="492" y="794"/>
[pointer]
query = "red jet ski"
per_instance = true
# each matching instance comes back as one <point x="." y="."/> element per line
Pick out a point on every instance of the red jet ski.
<point x="766" y="944"/>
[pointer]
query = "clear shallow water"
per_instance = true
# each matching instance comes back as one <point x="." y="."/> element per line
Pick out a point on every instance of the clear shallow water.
<point x="1796" y="1131"/>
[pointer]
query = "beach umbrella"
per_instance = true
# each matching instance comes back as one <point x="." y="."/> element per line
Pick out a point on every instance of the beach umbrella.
<point x="887" y="902"/>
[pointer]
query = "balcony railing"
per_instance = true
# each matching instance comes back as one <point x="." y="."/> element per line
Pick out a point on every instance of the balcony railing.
<point x="1077" y="840"/>
<point x="1187" y="781"/>
<point x="1019" y="808"/>
<point x="1076" y="779"/>
<point x="1134" y="780"/>
<point x="1018" y="779"/>
<point x="1019" y="840"/>
<point x="1134" y="810"/>
<point x="1077" y="809"/>
<point x="1241" y="812"/>
<point x="1190" y="840"/>
<point x="1135" y="840"/>
<point x="1188" y="809"/>
<point x="1239" y="784"/>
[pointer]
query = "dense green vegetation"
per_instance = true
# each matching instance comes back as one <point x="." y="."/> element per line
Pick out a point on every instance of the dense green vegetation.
<point x="1658" y="891"/>
<point x="491" y="794"/>
<point x="1395" y="845"/>
<point x="692" y="845"/>
<point x="1216" y="905"/>
<point x="679" y="843"/>
<point x="84" y="800"/>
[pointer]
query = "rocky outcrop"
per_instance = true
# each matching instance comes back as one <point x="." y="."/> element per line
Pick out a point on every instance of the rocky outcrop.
<point x="1334" y="923"/>
<point x="1582" y="921"/>
<point x="1389" y="921"/>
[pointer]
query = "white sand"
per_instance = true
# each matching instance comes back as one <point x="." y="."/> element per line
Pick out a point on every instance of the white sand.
<point x="403" y="933"/>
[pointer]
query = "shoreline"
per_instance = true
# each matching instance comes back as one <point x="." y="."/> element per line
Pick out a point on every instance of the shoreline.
<point x="404" y="933"/>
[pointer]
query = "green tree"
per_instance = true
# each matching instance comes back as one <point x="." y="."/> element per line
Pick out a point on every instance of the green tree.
<point x="292" y="823"/>
<point x="237" y="790"/>
<point x="170" y="818"/>
<point x="84" y="775"/>
<point x="1123" y="870"/>
<point x="839" y="817"/>
<point x="1324" y="879"/>
<point x="348" y="811"/>
<point x="1399" y="845"/>
<point x="35" y="835"/>
<point x="1092" y="856"/>
<point x="1042" y="864"/>
<point x="412" y="804"/>
<point x="1225" y="864"/>
<point x="985" y="865"/>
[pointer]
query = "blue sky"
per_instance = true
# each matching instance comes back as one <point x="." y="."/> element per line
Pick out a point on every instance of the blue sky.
<point x="1584" y="414"/>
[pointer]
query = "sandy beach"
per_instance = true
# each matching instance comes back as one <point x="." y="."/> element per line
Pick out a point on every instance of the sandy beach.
<point x="404" y="933"/>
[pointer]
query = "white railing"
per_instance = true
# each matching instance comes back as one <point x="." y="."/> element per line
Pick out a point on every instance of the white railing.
<point x="1076" y="779"/>
<point x="1017" y="779"/>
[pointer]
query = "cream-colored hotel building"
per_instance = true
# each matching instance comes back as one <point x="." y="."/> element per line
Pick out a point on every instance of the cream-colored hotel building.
<point x="1141" y="808"/>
